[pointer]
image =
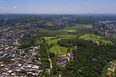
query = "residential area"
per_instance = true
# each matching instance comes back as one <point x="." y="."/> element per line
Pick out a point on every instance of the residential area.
<point x="15" y="62"/>
<point x="106" y="29"/>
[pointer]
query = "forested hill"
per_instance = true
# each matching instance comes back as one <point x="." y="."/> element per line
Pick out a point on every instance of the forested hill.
<point x="89" y="58"/>
<point x="13" y="19"/>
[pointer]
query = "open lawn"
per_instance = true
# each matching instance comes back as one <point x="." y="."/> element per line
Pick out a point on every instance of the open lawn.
<point x="58" y="50"/>
<point x="49" y="24"/>
<point x="66" y="36"/>
<point x="48" y="38"/>
<point x="80" y="26"/>
<point x="54" y="41"/>
<point x="95" y="38"/>
<point x="71" y="30"/>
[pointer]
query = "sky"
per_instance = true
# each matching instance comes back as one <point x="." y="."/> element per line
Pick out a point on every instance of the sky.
<point x="58" y="6"/>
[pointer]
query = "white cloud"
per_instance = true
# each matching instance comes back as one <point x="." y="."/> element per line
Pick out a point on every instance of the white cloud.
<point x="1" y="7"/>
<point x="107" y="6"/>
<point x="14" y="7"/>
<point x="86" y="2"/>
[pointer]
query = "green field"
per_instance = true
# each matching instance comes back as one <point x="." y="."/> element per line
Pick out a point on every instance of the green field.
<point x="48" y="38"/>
<point x="54" y="41"/>
<point x="58" y="50"/>
<point x="71" y="30"/>
<point x="66" y="36"/>
<point x="80" y="26"/>
<point x="49" y="24"/>
<point x="95" y="38"/>
<point x="17" y="23"/>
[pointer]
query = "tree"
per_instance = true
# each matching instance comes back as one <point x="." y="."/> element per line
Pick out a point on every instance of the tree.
<point x="52" y="54"/>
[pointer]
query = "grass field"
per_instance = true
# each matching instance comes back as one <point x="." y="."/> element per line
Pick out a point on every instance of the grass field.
<point x="48" y="38"/>
<point x="49" y="24"/>
<point x="95" y="38"/>
<point x="80" y="26"/>
<point x="66" y="36"/>
<point x="53" y="41"/>
<point x="58" y="50"/>
<point x="71" y="30"/>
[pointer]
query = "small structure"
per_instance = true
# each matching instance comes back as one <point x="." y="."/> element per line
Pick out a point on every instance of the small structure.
<point x="70" y="54"/>
<point x="62" y="60"/>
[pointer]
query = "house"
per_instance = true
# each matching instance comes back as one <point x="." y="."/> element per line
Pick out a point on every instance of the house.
<point x="70" y="54"/>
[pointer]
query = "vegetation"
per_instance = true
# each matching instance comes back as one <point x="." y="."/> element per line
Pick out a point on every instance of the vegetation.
<point x="49" y="38"/>
<point x="105" y="70"/>
<point x="89" y="58"/>
<point x="95" y="38"/>
<point x="58" y="50"/>
<point x="49" y="24"/>
<point x="66" y="36"/>
<point x="54" y="41"/>
<point x="66" y="30"/>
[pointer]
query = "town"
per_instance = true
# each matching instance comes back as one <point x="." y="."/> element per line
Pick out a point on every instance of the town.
<point x="16" y="62"/>
<point x="106" y="29"/>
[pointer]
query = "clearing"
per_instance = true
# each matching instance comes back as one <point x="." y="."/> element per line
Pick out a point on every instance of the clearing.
<point x="58" y="50"/>
<point x="67" y="36"/>
<point x="95" y="38"/>
<point x="49" y="24"/>
<point x="54" y="41"/>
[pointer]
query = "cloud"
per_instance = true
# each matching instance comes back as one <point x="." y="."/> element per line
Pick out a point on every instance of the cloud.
<point x="86" y="2"/>
<point x="14" y="7"/>
<point x="1" y="7"/>
<point x="107" y="6"/>
<point x="114" y="5"/>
